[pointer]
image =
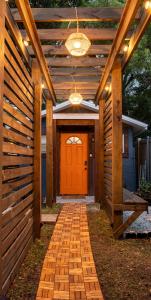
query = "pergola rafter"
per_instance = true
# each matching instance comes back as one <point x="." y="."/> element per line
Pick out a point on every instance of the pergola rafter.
<point x="26" y="14"/>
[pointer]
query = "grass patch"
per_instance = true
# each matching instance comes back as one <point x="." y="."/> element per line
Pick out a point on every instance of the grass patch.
<point x="55" y="209"/>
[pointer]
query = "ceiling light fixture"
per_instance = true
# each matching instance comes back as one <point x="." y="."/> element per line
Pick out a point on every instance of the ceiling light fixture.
<point x="77" y="43"/>
<point x="75" y="98"/>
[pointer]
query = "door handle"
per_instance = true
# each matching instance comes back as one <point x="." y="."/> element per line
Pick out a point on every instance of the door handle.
<point x="85" y="163"/>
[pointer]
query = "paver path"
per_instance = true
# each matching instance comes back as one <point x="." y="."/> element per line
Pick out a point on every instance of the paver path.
<point x="69" y="270"/>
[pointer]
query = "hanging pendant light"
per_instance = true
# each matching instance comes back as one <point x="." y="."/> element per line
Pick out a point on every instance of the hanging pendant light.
<point x="77" y="43"/>
<point x="75" y="98"/>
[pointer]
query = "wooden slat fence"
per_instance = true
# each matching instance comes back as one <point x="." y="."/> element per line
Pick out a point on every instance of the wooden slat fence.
<point x="17" y="155"/>
<point x="108" y="155"/>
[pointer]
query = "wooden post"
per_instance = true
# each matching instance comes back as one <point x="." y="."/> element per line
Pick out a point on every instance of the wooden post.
<point x="2" y="42"/>
<point x="117" y="175"/>
<point x="55" y="151"/>
<point x="36" y="74"/>
<point x="101" y="152"/>
<point x="49" y="152"/>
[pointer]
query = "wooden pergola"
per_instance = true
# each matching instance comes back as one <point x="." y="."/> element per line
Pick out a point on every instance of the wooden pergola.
<point x="98" y="77"/>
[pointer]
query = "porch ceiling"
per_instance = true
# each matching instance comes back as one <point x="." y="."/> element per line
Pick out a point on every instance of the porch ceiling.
<point x="48" y="33"/>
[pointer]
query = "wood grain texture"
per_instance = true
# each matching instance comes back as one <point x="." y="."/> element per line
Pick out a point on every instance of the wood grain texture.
<point x="93" y="34"/>
<point x="36" y="75"/>
<point x="127" y="18"/>
<point x="26" y="14"/>
<point x="62" y="50"/>
<point x="49" y="152"/>
<point x="117" y="181"/>
<point x="68" y="269"/>
<point x="68" y="14"/>
<point x="2" y="43"/>
<point x="76" y="62"/>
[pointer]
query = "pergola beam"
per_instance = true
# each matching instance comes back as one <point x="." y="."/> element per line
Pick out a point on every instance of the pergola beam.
<point x="128" y="16"/>
<point x="103" y="14"/>
<point x="144" y="22"/>
<point x="76" y="71"/>
<point x="26" y="14"/>
<point x="62" y="50"/>
<point x="62" y="34"/>
<point x="76" y="62"/>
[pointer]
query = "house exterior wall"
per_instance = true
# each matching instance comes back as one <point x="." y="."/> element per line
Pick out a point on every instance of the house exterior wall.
<point x="129" y="164"/>
<point x="129" y="167"/>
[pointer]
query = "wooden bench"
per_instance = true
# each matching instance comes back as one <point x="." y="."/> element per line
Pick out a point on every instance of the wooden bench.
<point x="131" y="202"/>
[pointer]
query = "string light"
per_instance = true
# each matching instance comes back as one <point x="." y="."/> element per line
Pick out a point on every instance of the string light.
<point x="42" y="85"/>
<point x="77" y="43"/>
<point x="26" y="43"/>
<point x="125" y="49"/>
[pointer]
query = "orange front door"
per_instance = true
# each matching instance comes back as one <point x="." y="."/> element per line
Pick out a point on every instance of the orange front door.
<point x="73" y="164"/>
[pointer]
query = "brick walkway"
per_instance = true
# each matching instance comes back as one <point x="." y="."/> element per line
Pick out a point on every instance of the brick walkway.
<point x="69" y="271"/>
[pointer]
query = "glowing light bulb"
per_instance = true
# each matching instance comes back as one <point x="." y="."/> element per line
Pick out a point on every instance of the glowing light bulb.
<point x="148" y="4"/>
<point x="42" y="85"/>
<point x="77" y="45"/>
<point x="125" y="49"/>
<point x="26" y="43"/>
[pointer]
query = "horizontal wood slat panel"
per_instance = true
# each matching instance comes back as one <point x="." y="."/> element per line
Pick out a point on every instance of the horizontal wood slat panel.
<point x="10" y="186"/>
<point x="16" y="196"/>
<point x="14" y="211"/>
<point x="16" y="137"/>
<point x="17" y="56"/>
<point x="10" y="121"/>
<point x="10" y="95"/>
<point x="19" y="92"/>
<point x="6" y="230"/>
<point x="16" y="172"/>
<point x="18" y="80"/>
<point x="93" y="34"/>
<point x="16" y="35"/>
<point x="18" y="70"/>
<point x="16" y="149"/>
<point x="16" y="231"/>
<point x="18" y="115"/>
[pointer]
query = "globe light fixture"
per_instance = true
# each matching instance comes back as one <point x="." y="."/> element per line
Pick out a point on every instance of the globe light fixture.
<point x="77" y="43"/>
<point x="75" y="98"/>
<point x="148" y="4"/>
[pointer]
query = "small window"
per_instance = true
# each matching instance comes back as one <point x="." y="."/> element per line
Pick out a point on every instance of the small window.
<point x="73" y="140"/>
<point x="125" y="142"/>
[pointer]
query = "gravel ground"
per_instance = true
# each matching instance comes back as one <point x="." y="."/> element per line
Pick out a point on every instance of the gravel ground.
<point x="142" y="224"/>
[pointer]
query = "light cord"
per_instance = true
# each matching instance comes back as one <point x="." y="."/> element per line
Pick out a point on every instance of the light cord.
<point x="76" y="10"/>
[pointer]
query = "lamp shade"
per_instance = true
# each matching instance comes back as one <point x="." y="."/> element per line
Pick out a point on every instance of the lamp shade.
<point x="77" y="44"/>
<point x="75" y="98"/>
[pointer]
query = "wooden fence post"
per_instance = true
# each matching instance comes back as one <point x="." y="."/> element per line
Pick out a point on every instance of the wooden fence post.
<point x="101" y="151"/>
<point x="49" y="152"/>
<point x="36" y="74"/>
<point x="117" y="175"/>
<point x="2" y="42"/>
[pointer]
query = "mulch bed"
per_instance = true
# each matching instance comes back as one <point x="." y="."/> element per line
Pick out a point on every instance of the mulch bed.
<point x="123" y="266"/>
